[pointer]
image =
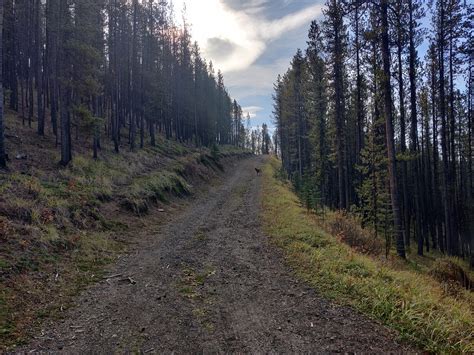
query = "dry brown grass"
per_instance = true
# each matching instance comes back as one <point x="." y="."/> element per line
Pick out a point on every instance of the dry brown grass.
<point x="348" y="230"/>
<point x="449" y="271"/>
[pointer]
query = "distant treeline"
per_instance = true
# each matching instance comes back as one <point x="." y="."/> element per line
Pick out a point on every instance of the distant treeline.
<point x="365" y="124"/>
<point x="111" y="68"/>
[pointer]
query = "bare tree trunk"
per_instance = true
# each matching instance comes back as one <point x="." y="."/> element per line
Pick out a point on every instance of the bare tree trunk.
<point x="30" y="93"/>
<point x="452" y="148"/>
<point x="414" y="132"/>
<point x="406" y="210"/>
<point x="39" y="71"/>
<point x="65" y="95"/>
<point x="392" y="166"/>
<point x="359" y="104"/>
<point x="53" y="30"/>
<point x="3" y="155"/>
<point x="339" y="118"/>
<point x="444" y="133"/>
<point x="66" y="154"/>
<point x="469" y="116"/>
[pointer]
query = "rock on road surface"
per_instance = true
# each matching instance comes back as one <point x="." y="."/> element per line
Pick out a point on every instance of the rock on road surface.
<point x="210" y="281"/>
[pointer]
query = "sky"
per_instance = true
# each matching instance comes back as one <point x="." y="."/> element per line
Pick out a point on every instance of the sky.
<point x="251" y="42"/>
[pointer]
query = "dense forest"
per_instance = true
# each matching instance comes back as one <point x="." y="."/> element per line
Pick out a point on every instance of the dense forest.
<point x="375" y="117"/>
<point x="111" y="69"/>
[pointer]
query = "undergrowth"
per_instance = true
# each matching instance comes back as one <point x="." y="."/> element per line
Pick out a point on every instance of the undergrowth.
<point x="403" y="295"/>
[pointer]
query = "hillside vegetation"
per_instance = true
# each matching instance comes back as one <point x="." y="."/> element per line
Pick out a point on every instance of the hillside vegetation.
<point x="60" y="227"/>
<point x="417" y="297"/>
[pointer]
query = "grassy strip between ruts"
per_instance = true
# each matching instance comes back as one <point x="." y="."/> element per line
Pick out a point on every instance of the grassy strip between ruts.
<point x="411" y="302"/>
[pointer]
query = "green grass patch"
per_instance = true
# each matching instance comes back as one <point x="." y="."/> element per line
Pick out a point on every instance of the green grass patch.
<point x="201" y="236"/>
<point x="397" y="294"/>
<point x="152" y="188"/>
<point x="191" y="280"/>
<point x="6" y="328"/>
<point x="3" y="264"/>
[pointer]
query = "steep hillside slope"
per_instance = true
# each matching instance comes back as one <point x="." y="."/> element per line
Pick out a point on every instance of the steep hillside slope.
<point x="60" y="226"/>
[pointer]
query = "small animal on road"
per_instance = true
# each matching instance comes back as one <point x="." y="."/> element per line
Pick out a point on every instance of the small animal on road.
<point x="258" y="171"/>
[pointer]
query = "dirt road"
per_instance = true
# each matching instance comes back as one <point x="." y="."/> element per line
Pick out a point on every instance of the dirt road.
<point x="210" y="281"/>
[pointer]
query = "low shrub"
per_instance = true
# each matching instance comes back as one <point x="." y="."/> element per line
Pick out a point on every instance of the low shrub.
<point x="347" y="229"/>
<point x="450" y="272"/>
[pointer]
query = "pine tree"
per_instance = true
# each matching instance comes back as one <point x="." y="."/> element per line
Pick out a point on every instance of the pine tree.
<point x="374" y="191"/>
<point x="65" y="75"/>
<point x="316" y="106"/>
<point x="392" y="165"/>
<point x="266" y="140"/>
<point x="335" y="35"/>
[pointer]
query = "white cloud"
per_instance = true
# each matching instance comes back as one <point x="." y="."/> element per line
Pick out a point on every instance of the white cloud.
<point x="247" y="31"/>
<point x="273" y="29"/>
<point x="258" y="79"/>
<point x="252" y="111"/>
<point x="254" y="7"/>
